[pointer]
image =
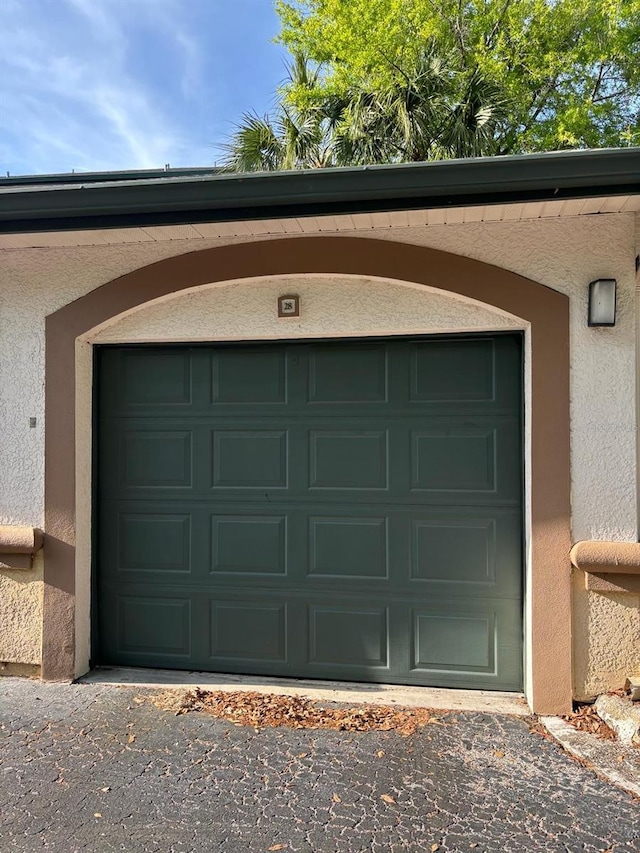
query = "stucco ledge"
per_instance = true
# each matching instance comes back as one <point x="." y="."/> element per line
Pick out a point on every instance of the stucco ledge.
<point x="608" y="566"/>
<point x="18" y="546"/>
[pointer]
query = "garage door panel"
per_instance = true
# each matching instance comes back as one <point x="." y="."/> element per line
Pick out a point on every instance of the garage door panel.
<point x="135" y="380"/>
<point x="153" y="625"/>
<point x="449" y="462"/>
<point x="465" y="550"/>
<point x="344" y="547"/>
<point x="156" y="459"/>
<point x="435" y="552"/>
<point x="477" y="374"/>
<point x="149" y="542"/>
<point x="454" y="642"/>
<point x="249" y="544"/>
<point x="450" y="370"/>
<point x="472" y="459"/>
<point x="480" y="638"/>
<point x="252" y="376"/>
<point x="250" y="459"/>
<point x="151" y="457"/>
<point x="340" y="636"/>
<point x="481" y="374"/>
<point x="154" y="542"/>
<point x="461" y="459"/>
<point x="348" y="459"/>
<point x="459" y="551"/>
<point x="340" y="373"/>
<point x="155" y="379"/>
<point x="248" y="631"/>
<point x="348" y="635"/>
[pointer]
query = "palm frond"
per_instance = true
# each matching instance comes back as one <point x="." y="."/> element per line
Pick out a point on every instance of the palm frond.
<point x="254" y="146"/>
<point x="475" y="120"/>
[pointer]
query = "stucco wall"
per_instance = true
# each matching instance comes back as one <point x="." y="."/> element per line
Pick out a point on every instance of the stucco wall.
<point x="606" y="639"/>
<point x="330" y="305"/>
<point x="564" y="255"/>
<point x="21" y="616"/>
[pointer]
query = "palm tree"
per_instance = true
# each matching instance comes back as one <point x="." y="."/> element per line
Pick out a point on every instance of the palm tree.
<point x="293" y="138"/>
<point x="399" y="121"/>
<point x="429" y="112"/>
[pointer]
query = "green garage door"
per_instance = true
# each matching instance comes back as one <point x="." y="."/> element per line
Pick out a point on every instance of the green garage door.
<point x="346" y="510"/>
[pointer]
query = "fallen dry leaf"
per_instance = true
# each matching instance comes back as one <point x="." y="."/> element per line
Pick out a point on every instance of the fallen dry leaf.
<point x="499" y="753"/>
<point x="336" y="798"/>
<point x="388" y="799"/>
<point x="97" y="814"/>
<point x="277" y="847"/>
<point x="380" y="753"/>
<point x="585" y="718"/>
<point x="104" y="790"/>
<point x="131" y="738"/>
<point x="270" y="710"/>
<point x="434" y="847"/>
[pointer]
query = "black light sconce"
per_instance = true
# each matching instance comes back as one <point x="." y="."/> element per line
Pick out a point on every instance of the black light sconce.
<point x="602" y="302"/>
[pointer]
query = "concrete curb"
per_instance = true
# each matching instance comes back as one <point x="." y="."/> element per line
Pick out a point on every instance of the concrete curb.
<point x="622" y="715"/>
<point x="600" y="756"/>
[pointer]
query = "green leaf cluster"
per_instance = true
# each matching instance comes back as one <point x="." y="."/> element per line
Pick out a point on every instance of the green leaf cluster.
<point x="554" y="74"/>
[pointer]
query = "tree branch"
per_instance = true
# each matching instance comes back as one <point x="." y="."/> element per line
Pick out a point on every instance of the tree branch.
<point x="598" y="82"/>
<point x="488" y="42"/>
<point x="394" y="65"/>
<point x="458" y="29"/>
<point x="541" y="94"/>
<point x="608" y="97"/>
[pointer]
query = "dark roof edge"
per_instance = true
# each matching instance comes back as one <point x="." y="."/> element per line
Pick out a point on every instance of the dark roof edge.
<point x="230" y="197"/>
<point x="105" y="177"/>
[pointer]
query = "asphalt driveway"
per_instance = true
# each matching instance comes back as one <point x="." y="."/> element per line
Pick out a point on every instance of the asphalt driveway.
<point x="85" y="767"/>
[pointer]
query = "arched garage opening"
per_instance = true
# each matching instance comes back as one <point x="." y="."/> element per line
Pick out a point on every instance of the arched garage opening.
<point x="545" y="311"/>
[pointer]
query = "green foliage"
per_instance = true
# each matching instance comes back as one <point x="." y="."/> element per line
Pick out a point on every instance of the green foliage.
<point x="552" y="73"/>
<point x="419" y="114"/>
<point x="384" y="81"/>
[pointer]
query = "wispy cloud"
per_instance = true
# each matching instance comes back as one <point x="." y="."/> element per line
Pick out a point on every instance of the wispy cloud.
<point x="125" y="84"/>
<point x="71" y="91"/>
<point x="189" y="43"/>
<point x="102" y="18"/>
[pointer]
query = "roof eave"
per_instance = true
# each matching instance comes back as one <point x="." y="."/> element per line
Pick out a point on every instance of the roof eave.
<point x="232" y="197"/>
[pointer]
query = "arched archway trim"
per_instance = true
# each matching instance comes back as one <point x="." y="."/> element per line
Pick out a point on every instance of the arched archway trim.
<point x="546" y="310"/>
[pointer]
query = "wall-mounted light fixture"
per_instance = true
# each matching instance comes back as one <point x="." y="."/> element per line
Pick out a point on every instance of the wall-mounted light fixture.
<point x="602" y="302"/>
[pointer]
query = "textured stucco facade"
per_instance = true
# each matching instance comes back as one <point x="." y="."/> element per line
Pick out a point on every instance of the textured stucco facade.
<point x="563" y="254"/>
<point x="607" y="639"/>
<point x="21" y="616"/>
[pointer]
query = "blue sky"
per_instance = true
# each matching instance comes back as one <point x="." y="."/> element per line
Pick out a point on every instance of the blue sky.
<point x="128" y="84"/>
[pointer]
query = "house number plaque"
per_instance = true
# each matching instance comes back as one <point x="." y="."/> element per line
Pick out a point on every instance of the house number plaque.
<point x="289" y="306"/>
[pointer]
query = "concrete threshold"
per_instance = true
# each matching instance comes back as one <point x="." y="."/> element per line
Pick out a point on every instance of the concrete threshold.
<point x="487" y="701"/>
